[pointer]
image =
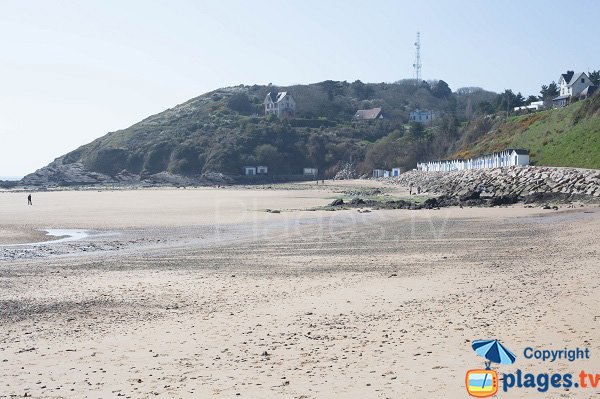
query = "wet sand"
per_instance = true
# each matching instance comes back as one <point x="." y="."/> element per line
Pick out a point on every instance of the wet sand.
<point x="213" y="297"/>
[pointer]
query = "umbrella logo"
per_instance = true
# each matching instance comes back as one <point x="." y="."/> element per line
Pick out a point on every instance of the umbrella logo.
<point x="482" y="383"/>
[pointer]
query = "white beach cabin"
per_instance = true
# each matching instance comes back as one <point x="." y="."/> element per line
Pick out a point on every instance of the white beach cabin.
<point x="508" y="157"/>
<point x="310" y="171"/>
<point x="249" y="170"/>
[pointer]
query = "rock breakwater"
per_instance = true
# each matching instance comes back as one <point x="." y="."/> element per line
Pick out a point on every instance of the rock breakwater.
<point x="510" y="181"/>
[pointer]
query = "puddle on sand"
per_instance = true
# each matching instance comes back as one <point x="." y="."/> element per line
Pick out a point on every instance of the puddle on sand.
<point x="65" y="234"/>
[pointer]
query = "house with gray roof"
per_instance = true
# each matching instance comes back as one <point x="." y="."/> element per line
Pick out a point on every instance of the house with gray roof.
<point x="573" y="85"/>
<point x="280" y="104"/>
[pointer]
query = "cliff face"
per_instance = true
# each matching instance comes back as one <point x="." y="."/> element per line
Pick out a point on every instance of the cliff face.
<point x="516" y="180"/>
<point x="61" y="173"/>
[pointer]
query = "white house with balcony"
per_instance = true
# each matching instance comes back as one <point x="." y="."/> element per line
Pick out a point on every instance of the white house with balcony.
<point x="421" y="116"/>
<point x="572" y="85"/>
<point x="508" y="157"/>
<point x="280" y="104"/>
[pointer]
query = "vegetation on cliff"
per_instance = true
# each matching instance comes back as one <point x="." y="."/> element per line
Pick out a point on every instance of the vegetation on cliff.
<point x="567" y="136"/>
<point x="224" y="130"/>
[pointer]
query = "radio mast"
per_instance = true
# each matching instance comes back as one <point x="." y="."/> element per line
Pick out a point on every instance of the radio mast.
<point x="417" y="64"/>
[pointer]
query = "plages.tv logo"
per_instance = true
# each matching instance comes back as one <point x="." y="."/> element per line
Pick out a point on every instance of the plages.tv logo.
<point x="482" y="383"/>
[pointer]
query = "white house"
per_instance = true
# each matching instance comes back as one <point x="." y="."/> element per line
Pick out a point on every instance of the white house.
<point x="396" y="172"/>
<point x="508" y="157"/>
<point x="421" y="116"/>
<point x="534" y="106"/>
<point x="281" y="104"/>
<point x="310" y="172"/>
<point x="262" y="170"/>
<point x="573" y="85"/>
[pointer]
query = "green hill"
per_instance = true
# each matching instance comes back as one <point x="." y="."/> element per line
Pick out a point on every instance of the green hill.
<point x="567" y="136"/>
<point x="224" y="130"/>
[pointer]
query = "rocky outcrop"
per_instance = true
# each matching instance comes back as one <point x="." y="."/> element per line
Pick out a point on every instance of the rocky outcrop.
<point x="505" y="182"/>
<point x="346" y="172"/>
<point x="61" y="173"/>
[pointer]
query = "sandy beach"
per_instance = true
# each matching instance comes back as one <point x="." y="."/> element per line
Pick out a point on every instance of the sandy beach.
<point x="202" y="293"/>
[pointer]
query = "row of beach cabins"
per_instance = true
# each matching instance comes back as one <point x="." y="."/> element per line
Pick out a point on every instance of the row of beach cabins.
<point x="507" y="157"/>
<point x="263" y="170"/>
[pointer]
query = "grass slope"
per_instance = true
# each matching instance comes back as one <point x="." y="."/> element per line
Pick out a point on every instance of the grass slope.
<point x="560" y="137"/>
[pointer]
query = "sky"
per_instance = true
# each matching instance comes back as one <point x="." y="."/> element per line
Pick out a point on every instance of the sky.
<point x="72" y="71"/>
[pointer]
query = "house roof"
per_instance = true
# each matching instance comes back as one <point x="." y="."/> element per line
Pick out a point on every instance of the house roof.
<point x="574" y="78"/>
<point x="519" y="151"/>
<point x="567" y="76"/>
<point x="561" y="97"/>
<point x="372" y="113"/>
<point x="276" y="97"/>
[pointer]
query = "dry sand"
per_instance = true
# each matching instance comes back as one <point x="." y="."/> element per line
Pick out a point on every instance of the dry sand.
<point x="200" y="294"/>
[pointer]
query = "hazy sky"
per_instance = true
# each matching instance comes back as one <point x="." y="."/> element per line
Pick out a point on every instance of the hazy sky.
<point x="71" y="71"/>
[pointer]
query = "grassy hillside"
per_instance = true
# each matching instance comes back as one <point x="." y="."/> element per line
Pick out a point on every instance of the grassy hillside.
<point x="224" y="130"/>
<point x="560" y="137"/>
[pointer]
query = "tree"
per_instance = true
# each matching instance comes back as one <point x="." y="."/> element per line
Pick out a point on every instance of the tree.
<point x="519" y="100"/>
<point x="361" y="90"/>
<point x="484" y="108"/>
<point x="531" y="99"/>
<point x="417" y="130"/>
<point x="441" y="90"/>
<point x="241" y="103"/>
<point x="549" y="91"/>
<point x="267" y="154"/>
<point x="506" y="101"/>
<point x="595" y="77"/>
<point x="332" y="88"/>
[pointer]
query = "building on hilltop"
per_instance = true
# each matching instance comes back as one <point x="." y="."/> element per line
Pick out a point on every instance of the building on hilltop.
<point x="508" y="157"/>
<point x="368" y="114"/>
<point x="573" y="85"/>
<point x="421" y="116"/>
<point x="280" y="104"/>
<point x="534" y="106"/>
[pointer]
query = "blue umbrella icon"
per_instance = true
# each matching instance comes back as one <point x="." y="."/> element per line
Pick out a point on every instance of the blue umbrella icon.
<point x="493" y="351"/>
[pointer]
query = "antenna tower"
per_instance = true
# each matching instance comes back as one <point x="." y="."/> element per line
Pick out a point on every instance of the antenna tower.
<point x="417" y="64"/>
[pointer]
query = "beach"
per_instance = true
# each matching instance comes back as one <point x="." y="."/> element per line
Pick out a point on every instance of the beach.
<point x="259" y="292"/>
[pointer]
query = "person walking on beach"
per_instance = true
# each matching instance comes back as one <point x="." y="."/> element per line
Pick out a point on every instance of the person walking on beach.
<point x="29" y="200"/>
<point x="410" y="190"/>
